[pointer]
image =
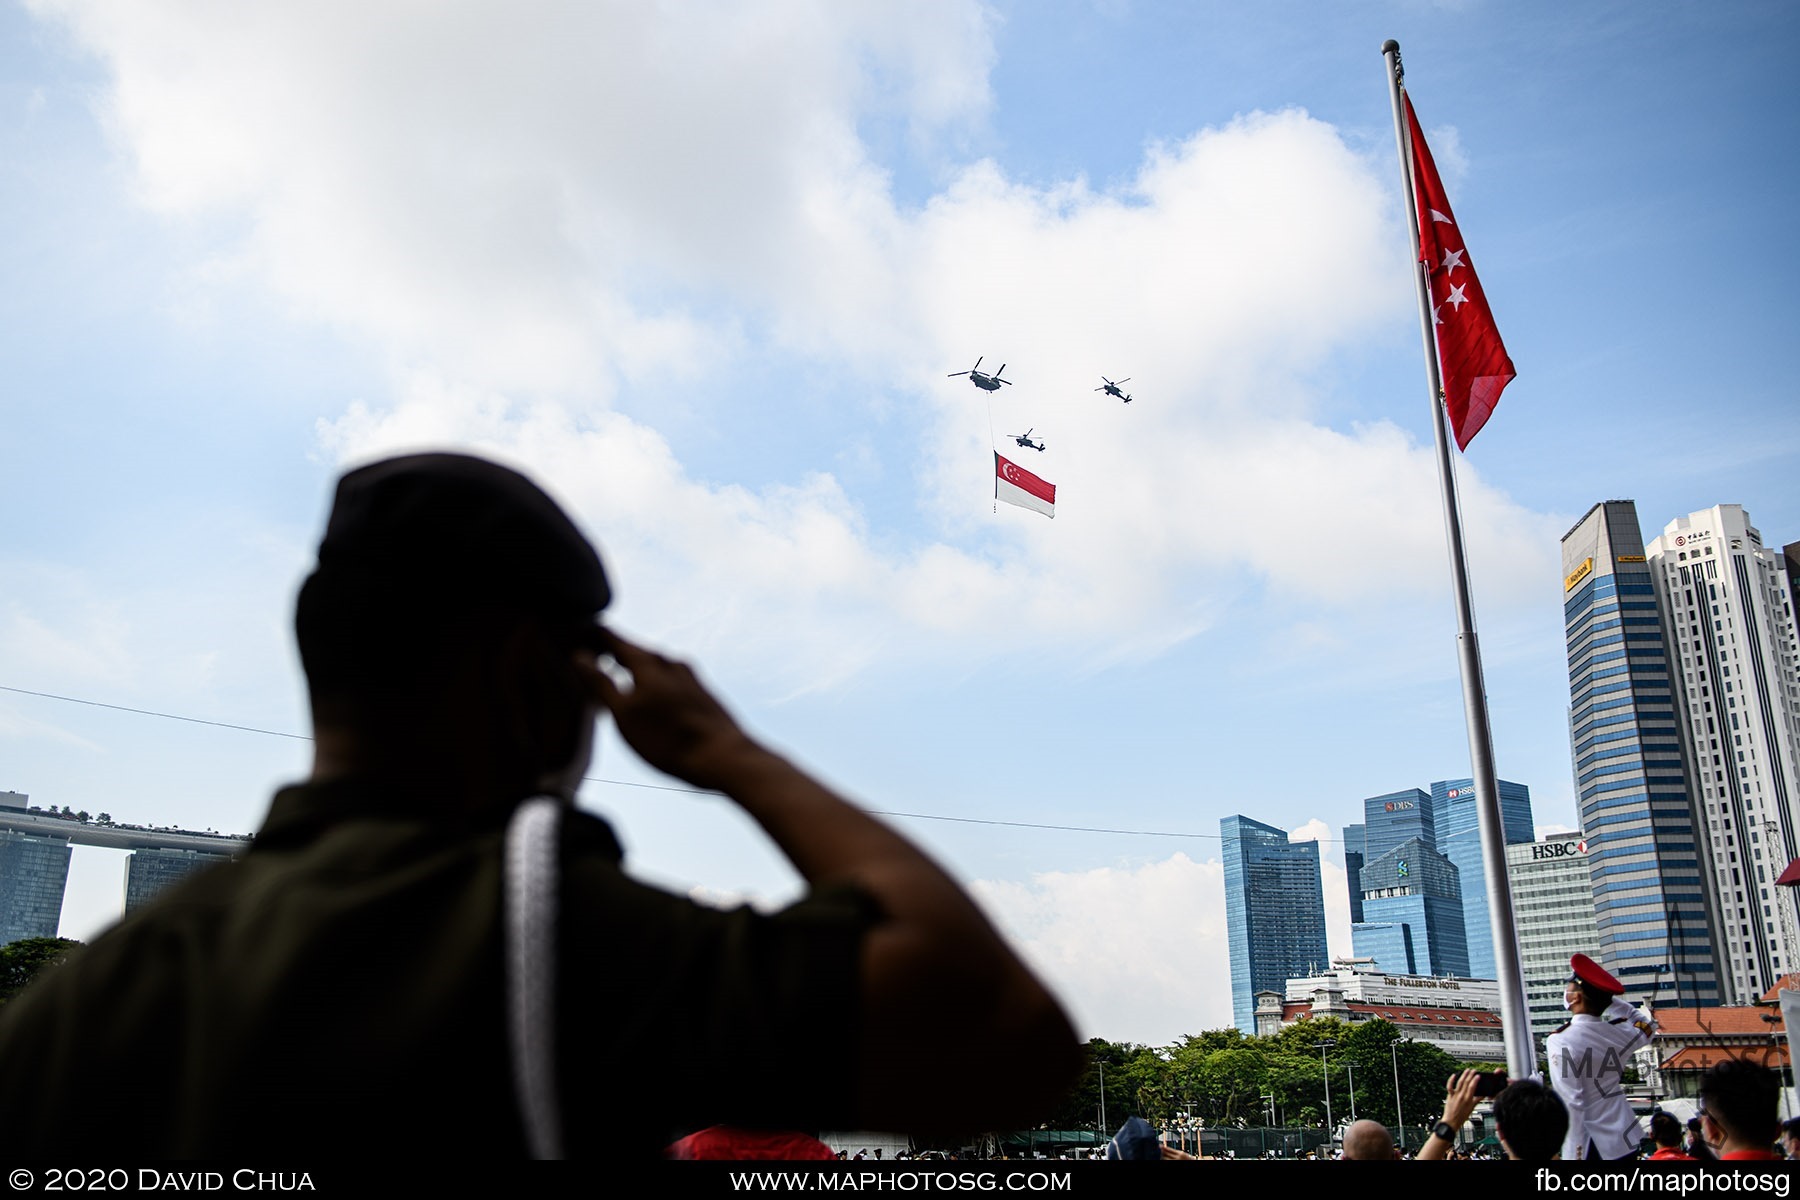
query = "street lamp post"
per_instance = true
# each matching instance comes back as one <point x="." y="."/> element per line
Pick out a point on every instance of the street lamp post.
<point x="1400" y="1117"/>
<point x="1102" y="1130"/>
<point x="1784" y="1074"/>
<point x="1325" y="1070"/>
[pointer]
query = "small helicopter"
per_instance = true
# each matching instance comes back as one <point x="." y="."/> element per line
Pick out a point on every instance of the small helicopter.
<point x="1024" y="439"/>
<point x="987" y="383"/>
<point x="1113" y="389"/>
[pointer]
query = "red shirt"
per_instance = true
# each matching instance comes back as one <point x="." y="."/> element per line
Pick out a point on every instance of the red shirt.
<point x="1671" y="1152"/>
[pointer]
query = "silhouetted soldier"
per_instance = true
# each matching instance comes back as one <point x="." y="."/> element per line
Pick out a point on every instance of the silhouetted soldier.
<point x="428" y="947"/>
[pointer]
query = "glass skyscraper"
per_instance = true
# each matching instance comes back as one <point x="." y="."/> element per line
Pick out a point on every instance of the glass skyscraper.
<point x="1651" y="907"/>
<point x="1391" y="819"/>
<point x="1412" y="912"/>
<point x="1274" y="912"/>
<point x="1444" y="820"/>
<point x="1454" y="816"/>
<point x="148" y="872"/>
<point x="33" y="871"/>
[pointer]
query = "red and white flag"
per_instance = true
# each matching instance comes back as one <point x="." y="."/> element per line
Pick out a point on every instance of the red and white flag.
<point x="1015" y="485"/>
<point x="1471" y="358"/>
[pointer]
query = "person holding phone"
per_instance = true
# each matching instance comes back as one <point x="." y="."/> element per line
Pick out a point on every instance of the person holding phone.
<point x="1529" y="1120"/>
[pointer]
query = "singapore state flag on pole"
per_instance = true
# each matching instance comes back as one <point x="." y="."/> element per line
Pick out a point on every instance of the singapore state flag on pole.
<point x="1015" y="485"/>
<point x="1471" y="357"/>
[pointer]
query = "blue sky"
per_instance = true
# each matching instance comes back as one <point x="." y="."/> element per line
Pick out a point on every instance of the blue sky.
<point x="704" y="271"/>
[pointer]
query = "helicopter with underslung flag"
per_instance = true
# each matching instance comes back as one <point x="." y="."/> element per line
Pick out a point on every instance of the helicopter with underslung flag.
<point x="987" y="383"/>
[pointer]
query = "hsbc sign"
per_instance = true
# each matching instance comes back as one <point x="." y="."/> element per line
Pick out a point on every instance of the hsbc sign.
<point x="1570" y="849"/>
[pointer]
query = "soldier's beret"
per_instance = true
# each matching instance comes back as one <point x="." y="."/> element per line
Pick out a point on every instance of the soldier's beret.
<point x="450" y="531"/>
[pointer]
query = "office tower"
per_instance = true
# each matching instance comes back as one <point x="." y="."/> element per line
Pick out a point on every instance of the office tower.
<point x="1455" y="818"/>
<point x="1652" y="910"/>
<point x="1553" y="914"/>
<point x="1353" y="861"/>
<point x="1394" y="817"/>
<point x="33" y="871"/>
<point x="1728" y="618"/>
<point x="1412" y="913"/>
<point x="1274" y="912"/>
<point x="149" y="871"/>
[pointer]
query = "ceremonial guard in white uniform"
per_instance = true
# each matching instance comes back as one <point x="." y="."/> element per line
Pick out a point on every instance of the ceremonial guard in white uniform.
<point x="1588" y="1056"/>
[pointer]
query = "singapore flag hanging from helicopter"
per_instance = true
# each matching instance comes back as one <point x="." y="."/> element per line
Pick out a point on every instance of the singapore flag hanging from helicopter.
<point x="1015" y="485"/>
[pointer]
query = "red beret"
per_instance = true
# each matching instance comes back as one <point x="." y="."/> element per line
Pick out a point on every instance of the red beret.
<point x="1594" y="975"/>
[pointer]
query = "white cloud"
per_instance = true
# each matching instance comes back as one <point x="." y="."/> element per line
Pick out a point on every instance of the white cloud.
<point x="1314" y="830"/>
<point x="532" y="219"/>
<point x="1146" y="946"/>
<point x="498" y="194"/>
<point x="1141" y="953"/>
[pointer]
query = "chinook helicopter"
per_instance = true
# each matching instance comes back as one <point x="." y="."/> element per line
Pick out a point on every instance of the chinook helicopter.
<point x="987" y="383"/>
<point x="1024" y="439"/>
<point x="1113" y="389"/>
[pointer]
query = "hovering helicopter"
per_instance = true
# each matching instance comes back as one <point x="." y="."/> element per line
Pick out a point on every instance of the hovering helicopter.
<point x="1024" y="439"/>
<point x="987" y="383"/>
<point x="1113" y="389"/>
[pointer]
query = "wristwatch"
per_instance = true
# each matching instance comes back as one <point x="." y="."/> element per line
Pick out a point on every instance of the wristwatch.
<point x="1445" y="1130"/>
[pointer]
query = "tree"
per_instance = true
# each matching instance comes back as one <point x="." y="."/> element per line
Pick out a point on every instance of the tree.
<point x="1232" y="1085"/>
<point x="21" y="961"/>
<point x="1113" y="1061"/>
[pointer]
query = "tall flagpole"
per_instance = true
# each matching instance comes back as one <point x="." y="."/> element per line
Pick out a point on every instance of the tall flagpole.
<point x="1515" y="1019"/>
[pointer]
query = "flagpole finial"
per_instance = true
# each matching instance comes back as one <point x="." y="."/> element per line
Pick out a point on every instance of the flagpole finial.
<point x="1390" y="47"/>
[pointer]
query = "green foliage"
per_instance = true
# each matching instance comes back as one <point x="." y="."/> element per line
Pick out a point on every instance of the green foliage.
<point x="21" y="961"/>
<point x="1227" y="1078"/>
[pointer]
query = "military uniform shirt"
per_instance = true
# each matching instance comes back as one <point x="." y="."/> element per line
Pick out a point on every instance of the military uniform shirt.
<point x="1588" y="1056"/>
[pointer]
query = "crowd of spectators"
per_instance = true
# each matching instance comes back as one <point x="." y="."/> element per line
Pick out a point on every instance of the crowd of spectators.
<point x="1737" y="1122"/>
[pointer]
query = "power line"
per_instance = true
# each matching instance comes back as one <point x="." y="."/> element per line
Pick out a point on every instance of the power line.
<point x="658" y="787"/>
<point x="145" y="712"/>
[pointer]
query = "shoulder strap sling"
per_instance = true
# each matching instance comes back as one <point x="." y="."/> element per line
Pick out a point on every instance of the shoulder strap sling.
<point x="530" y="901"/>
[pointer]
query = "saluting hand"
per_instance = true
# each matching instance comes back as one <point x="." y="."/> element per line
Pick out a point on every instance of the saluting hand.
<point x="667" y="716"/>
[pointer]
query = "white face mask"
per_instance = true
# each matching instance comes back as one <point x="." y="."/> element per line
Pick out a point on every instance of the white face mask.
<point x="1569" y="1003"/>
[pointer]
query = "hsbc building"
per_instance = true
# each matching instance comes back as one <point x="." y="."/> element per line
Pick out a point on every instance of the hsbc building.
<point x="1553" y="911"/>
